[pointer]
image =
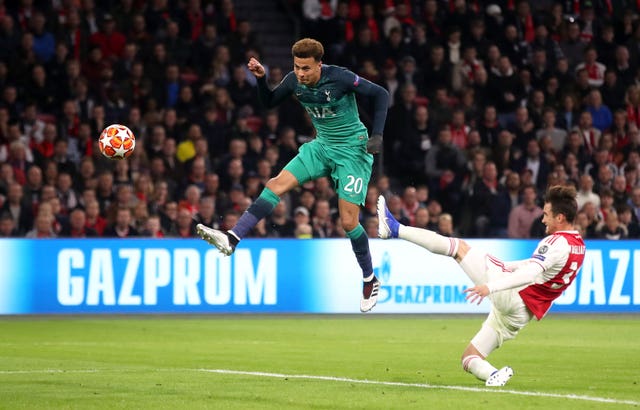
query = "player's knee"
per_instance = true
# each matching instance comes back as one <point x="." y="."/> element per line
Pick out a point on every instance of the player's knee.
<point x="276" y="186"/>
<point x="349" y="222"/>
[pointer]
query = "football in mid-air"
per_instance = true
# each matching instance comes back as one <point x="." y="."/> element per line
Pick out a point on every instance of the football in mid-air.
<point x="117" y="142"/>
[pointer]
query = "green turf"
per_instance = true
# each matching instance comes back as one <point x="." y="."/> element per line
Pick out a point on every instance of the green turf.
<point x="153" y="362"/>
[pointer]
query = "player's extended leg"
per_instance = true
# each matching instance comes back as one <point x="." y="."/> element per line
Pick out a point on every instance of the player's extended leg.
<point x="349" y="216"/>
<point x="226" y="242"/>
<point x="474" y="358"/>
<point x="471" y="260"/>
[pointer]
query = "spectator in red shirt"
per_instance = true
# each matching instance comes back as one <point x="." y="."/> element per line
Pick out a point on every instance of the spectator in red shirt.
<point x="110" y="41"/>
<point x="77" y="227"/>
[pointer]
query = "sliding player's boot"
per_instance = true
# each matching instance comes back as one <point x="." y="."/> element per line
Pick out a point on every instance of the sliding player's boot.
<point x="500" y="377"/>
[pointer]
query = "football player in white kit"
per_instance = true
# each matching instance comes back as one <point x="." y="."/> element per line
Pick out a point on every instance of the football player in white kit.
<point x="518" y="290"/>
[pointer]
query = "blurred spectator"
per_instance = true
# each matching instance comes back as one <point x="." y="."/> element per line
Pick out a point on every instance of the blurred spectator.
<point x="613" y="92"/>
<point x="94" y="220"/>
<point x="573" y="46"/>
<point x="508" y="91"/>
<point x="77" y="227"/>
<point x="322" y="222"/>
<point x="444" y="161"/>
<point x="204" y="48"/>
<point x="184" y="226"/>
<point x="490" y="204"/>
<point x="153" y="228"/>
<point x="619" y="190"/>
<point x="206" y="212"/>
<point x="582" y="223"/>
<point x="626" y="220"/>
<point x="600" y="113"/>
<point x="301" y="218"/>
<point x="595" y="69"/>
<point x="68" y="196"/>
<point x="611" y="228"/>
<point x="536" y="163"/>
<point x="124" y="198"/>
<point x="122" y="226"/>
<point x="522" y="217"/>
<point x="585" y="192"/>
<point x="371" y="227"/>
<point x="16" y="205"/>
<point x="109" y="39"/>
<point x="634" y="203"/>
<point x="42" y="227"/>
<point x="395" y="205"/>
<point x="278" y="224"/>
<point x="241" y="39"/>
<point x="438" y="70"/>
<point x="363" y="47"/>
<point x="593" y="218"/>
<point x="445" y="225"/>
<point x="422" y="218"/>
<point x="413" y="146"/>
<point x="33" y="186"/>
<point x="558" y="136"/>
<point x="410" y="204"/>
<point x="7" y="226"/>
<point x="489" y="127"/>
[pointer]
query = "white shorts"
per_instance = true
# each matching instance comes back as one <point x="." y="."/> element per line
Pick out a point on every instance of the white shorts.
<point x="508" y="313"/>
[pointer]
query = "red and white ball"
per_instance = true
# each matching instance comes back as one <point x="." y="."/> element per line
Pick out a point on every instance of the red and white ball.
<point x="117" y="142"/>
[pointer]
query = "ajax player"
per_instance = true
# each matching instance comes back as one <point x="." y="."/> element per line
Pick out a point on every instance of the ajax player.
<point x="519" y="290"/>
<point x="341" y="150"/>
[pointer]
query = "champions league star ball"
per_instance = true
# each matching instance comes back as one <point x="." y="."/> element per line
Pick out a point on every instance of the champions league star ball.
<point x="117" y="142"/>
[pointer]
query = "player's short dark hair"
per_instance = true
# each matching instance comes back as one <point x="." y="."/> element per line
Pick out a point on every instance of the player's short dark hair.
<point x="308" y="47"/>
<point x="563" y="201"/>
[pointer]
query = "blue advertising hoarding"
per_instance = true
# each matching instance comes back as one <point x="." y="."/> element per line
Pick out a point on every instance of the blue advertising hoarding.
<point x="277" y="276"/>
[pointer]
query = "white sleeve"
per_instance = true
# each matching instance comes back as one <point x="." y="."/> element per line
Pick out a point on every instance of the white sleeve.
<point x="513" y="265"/>
<point x="550" y="253"/>
<point x="524" y="275"/>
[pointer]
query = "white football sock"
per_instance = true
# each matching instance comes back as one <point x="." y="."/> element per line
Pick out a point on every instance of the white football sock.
<point x="429" y="240"/>
<point x="478" y="367"/>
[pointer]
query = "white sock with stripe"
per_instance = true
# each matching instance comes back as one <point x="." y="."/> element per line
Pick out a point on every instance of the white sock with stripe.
<point x="478" y="367"/>
<point x="429" y="240"/>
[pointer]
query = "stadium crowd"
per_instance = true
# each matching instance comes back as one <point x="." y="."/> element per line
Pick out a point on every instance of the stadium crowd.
<point x="492" y="101"/>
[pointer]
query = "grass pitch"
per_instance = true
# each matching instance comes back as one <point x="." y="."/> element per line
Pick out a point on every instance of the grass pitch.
<point x="311" y="362"/>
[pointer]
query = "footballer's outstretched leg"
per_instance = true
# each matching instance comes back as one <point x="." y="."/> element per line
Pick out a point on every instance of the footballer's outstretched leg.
<point x="225" y="241"/>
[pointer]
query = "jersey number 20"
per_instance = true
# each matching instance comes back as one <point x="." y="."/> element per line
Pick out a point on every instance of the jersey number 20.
<point x="354" y="184"/>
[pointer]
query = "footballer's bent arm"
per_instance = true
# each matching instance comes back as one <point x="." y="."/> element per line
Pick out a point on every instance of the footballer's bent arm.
<point x="380" y="98"/>
<point x="271" y="98"/>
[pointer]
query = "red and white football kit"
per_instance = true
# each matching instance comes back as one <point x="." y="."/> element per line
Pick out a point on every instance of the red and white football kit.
<point x="521" y="290"/>
<point x="560" y="256"/>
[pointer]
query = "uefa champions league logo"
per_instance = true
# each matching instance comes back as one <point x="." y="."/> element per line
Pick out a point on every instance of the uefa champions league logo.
<point x="384" y="270"/>
<point x="384" y="273"/>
